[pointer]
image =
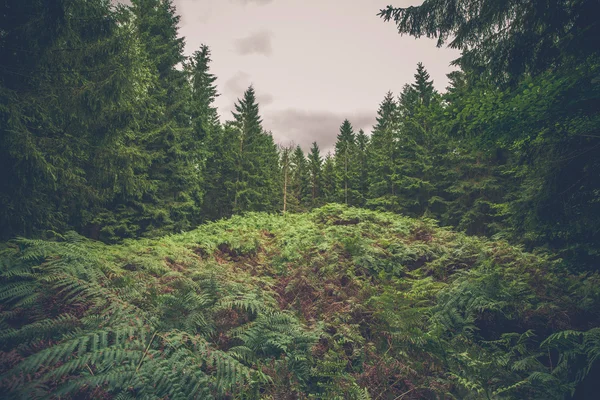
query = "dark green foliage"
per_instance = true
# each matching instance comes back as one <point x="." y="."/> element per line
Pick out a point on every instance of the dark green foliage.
<point x="544" y="131"/>
<point x="256" y="168"/>
<point x="170" y="139"/>
<point x="300" y="183"/>
<point x="527" y="100"/>
<point x="413" y="144"/>
<point x="345" y="164"/>
<point x="330" y="180"/>
<point x="505" y="39"/>
<point x="286" y="174"/>
<point x="423" y="86"/>
<point x="383" y="155"/>
<point x="97" y="133"/>
<point x="73" y="83"/>
<point x="361" y="165"/>
<point x="204" y="93"/>
<point x="336" y="303"/>
<point x="107" y="128"/>
<point x="208" y="133"/>
<point x="315" y="170"/>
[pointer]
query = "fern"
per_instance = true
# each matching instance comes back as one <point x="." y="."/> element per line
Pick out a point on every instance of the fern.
<point x="340" y="303"/>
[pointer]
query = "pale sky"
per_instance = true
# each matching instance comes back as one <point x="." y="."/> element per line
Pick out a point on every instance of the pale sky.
<point x="313" y="63"/>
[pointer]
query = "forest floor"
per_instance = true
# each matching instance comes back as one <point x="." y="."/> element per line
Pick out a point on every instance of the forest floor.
<point x="336" y="303"/>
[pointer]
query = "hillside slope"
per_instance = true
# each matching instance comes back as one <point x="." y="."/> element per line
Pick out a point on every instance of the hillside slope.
<point x="339" y="303"/>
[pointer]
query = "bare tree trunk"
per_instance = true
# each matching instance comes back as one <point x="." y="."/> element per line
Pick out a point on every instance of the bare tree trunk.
<point x="237" y="180"/>
<point x="346" y="177"/>
<point x="285" y="179"/>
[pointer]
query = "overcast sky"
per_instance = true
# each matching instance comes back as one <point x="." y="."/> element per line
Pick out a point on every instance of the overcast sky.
<point x="312" y="62"/>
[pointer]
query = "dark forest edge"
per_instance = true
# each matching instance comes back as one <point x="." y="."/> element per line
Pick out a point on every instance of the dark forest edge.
<point x="109" y="130"/>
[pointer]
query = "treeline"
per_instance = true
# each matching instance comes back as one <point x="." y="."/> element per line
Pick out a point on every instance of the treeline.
<point x="109" y="129"/>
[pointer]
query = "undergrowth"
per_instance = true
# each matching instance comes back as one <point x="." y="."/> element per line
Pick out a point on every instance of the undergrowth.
<point x="339" y="303"/>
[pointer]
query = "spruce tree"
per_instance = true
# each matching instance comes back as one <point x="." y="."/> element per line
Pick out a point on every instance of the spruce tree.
<point x="413" y="178"/>
<point x="423" y="86"/>
<point x="361" y="165"/>
<point x="286" y="174"/>
<point x="226" y="164"/>
<point x="345" y="148"/>
<point x="315" y="166"/>
<point x="73" y="84"/>
<point x="300" y="179"/>
<point x="204" y="93"/>
<point x="207" y="132"/>
<point x="257" y="160"/>
<point x="382" y="156"/>
<point x="408" y="101"/>
<point x="330" y="183"/>
<point x="173" y="203"/>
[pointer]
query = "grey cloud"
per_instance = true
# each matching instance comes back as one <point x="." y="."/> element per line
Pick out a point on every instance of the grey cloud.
<point x="235" y="86"/>
<point x="234" y="89"/>
<point x="304" y="127"/>
<point x="264" y="99"/>
<point x="257" y="42"/>
<point x="204" y="13"/>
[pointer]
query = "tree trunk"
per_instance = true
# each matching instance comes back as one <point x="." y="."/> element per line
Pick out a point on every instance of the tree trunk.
<point x="285" y="178"/>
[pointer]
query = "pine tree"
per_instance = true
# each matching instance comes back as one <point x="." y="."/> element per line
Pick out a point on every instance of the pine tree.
<point x="173" y="204"/>
<point x="286" y="172"/>
<point x="408" y="101"/>
<point x="330" y="184"/>
<point x="361" y="165"/>
<point x="257" y="160"/>
<point x="208" y="132"/>
<point x="315" y="166"/>
<point x="73" y="85"/>
<point x="423" y="86"/>
<point x="415" y="165"/>
<point x="382" y="156"/>
<point x="469" y="183"/>
<point x="225" y="164"/>
<point x="345" y="148"/>
<point x="204" y="93"/>
<point x="300" y="180"/>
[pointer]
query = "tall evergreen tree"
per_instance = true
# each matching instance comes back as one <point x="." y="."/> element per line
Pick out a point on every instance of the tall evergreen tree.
<point x="173" y="204"/>
<point x="286" y="173"/>
<point x="469" y="181"/>
<point x="73" y="82"/>
<point x="362" y="165"/>
<point x="207" y="132"/>
<point x="257" y="160"/>
<point x="345" y="148"/>
<point x="423" y="86"/>
<point x="382" y="156"/>
<point x="415" y="168"/>
<point x="315" y="166"/>
<point x="408" y="101"/>
<point x="300" y="180"/>
<point x="204" y="93"/>
<point x="330" y="183"/>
